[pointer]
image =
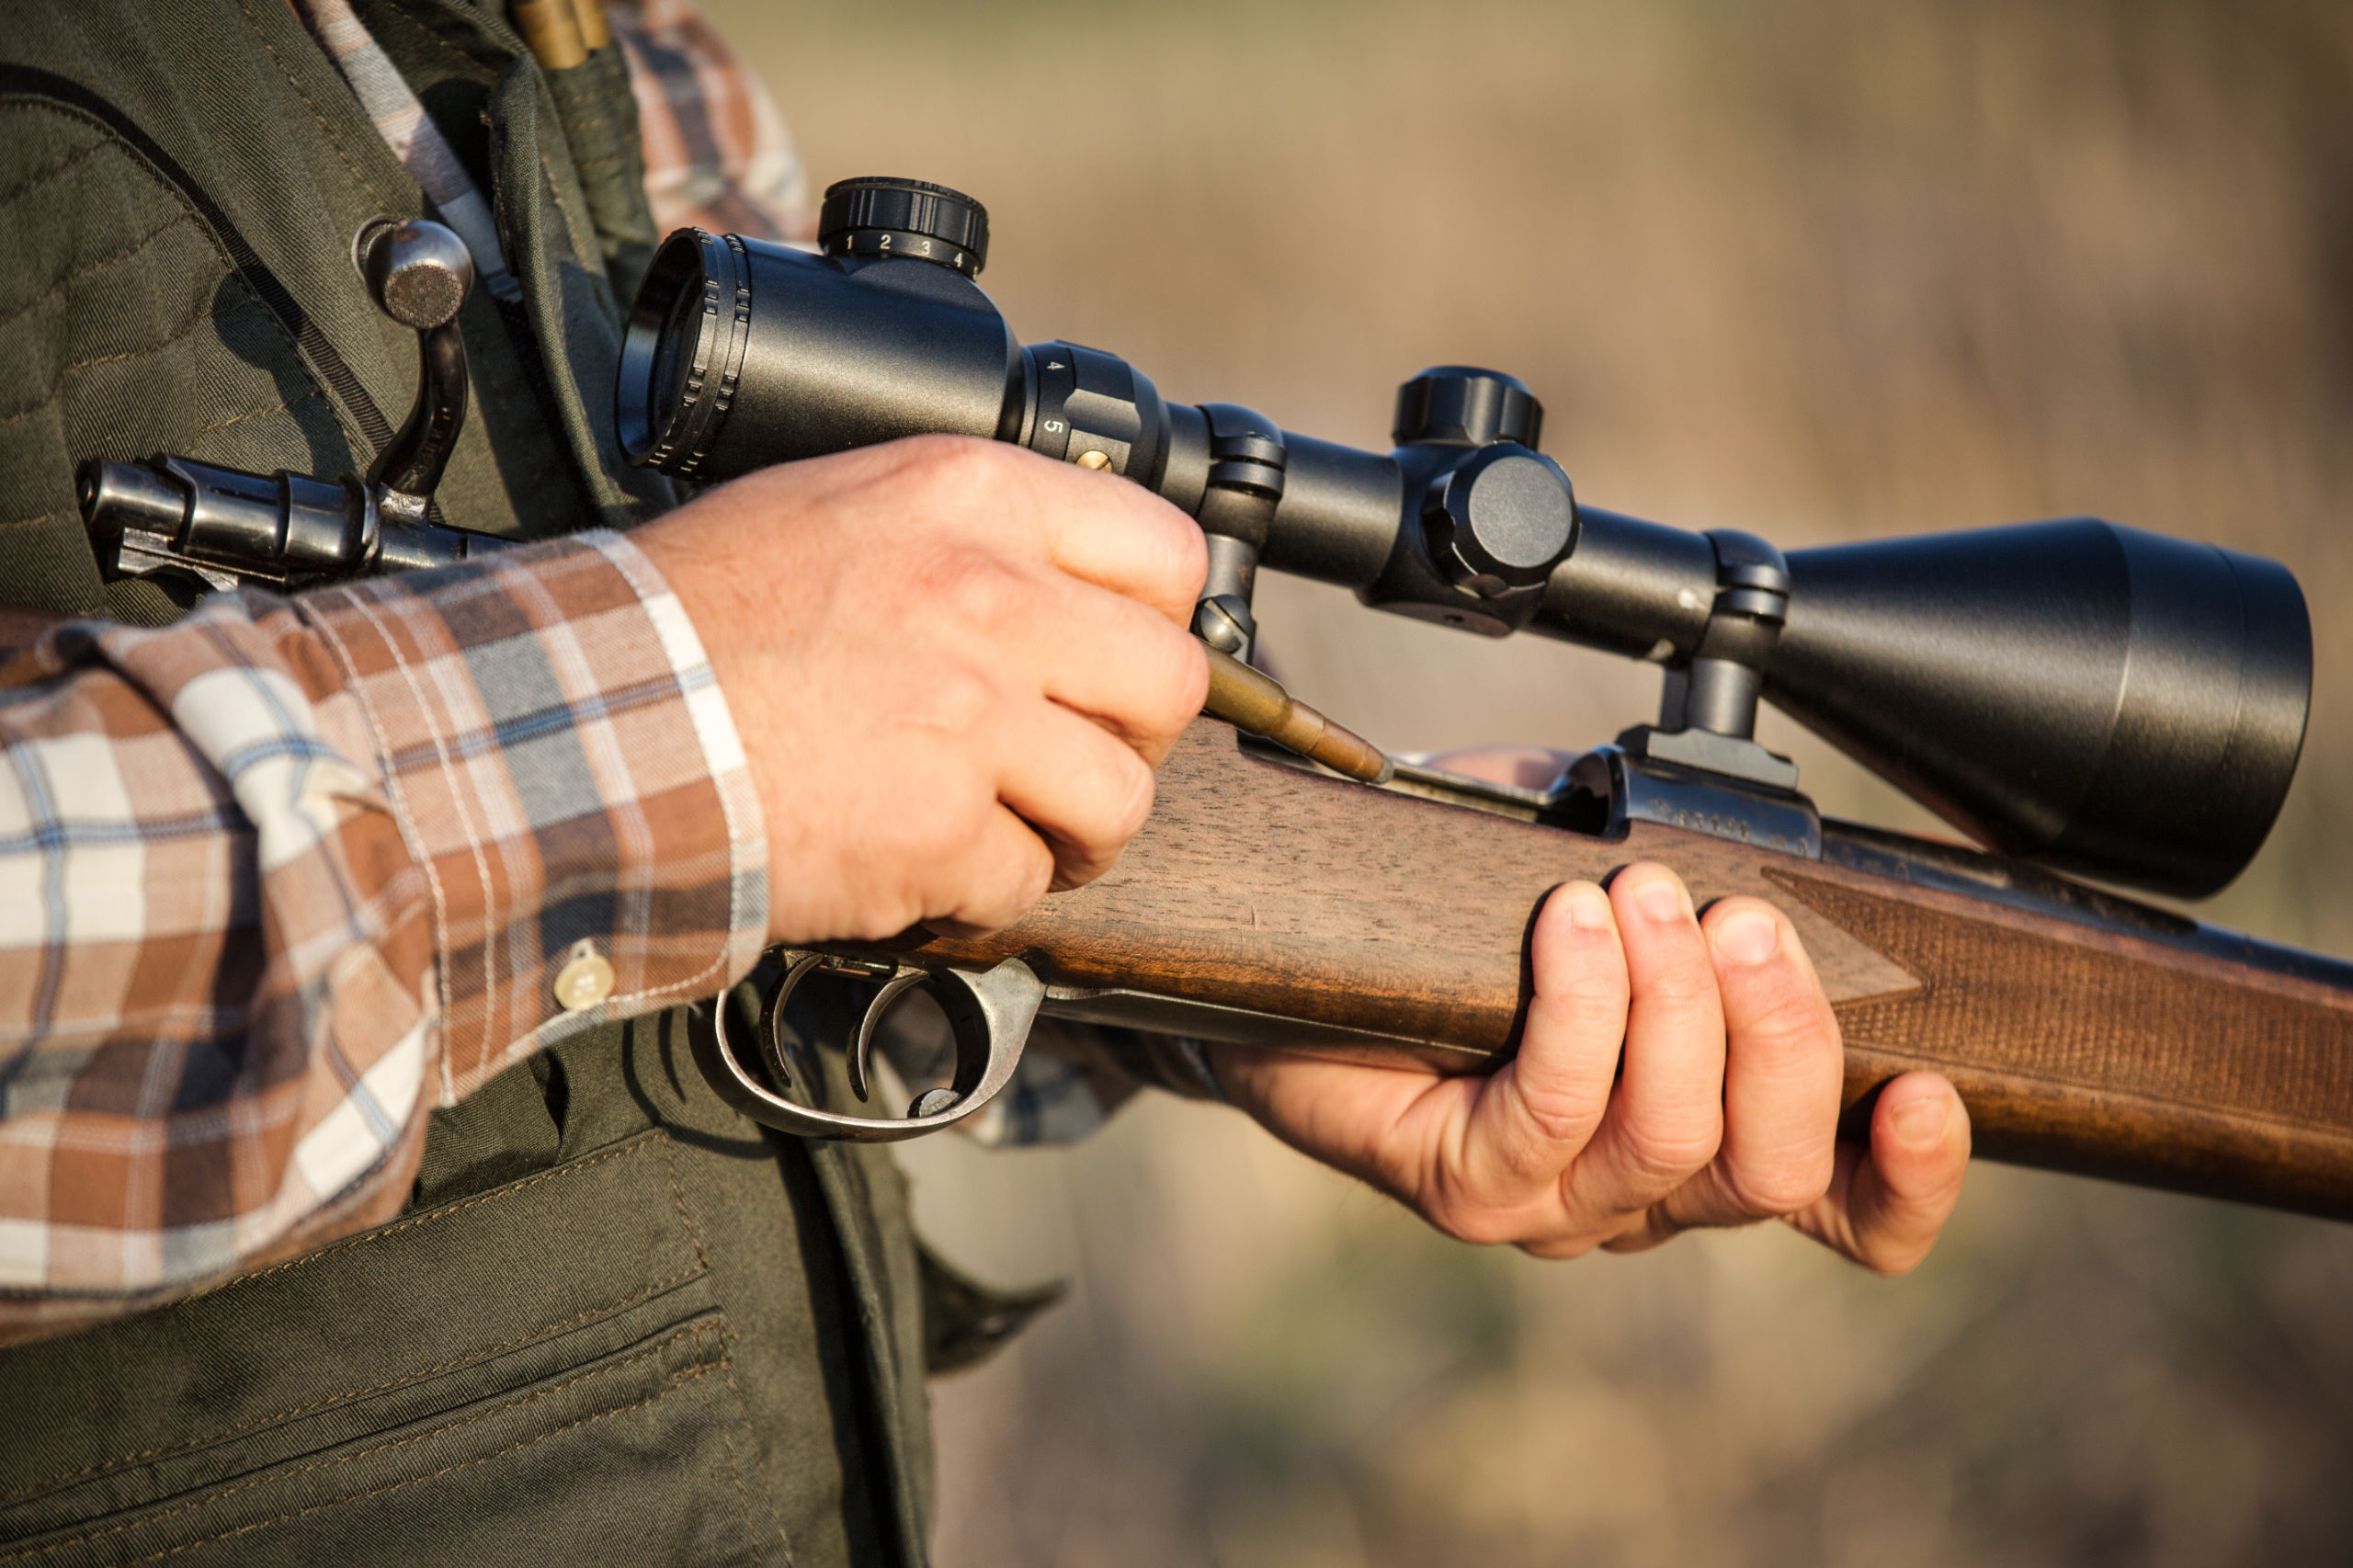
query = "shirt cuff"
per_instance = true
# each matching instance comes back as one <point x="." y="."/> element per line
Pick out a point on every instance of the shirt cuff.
<point x="564" y="767"/>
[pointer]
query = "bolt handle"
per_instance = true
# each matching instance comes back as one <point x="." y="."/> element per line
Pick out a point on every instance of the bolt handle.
<point x="229" y="527"/>
<point x="419" y="274"/>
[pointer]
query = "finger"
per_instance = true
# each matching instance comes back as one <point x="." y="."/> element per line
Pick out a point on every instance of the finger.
<point x="1004" y="870"/>
<point x="1121" y="664"/>
<point x="1083" y="790"/>
<point x="1886" y="1206"/>
<point x="1093" y="526"/>
<point x="1371" y="1122"/>
<point x="1782" y="1070"/>
<point x="1539" y="1112"/>
<point x="1118" y="536"/>
<point x="1029" y="625"/>
<point x="1665" y="1118"/>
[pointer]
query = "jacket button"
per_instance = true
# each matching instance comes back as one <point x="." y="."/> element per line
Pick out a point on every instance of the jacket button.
<point x="586" y="979"/>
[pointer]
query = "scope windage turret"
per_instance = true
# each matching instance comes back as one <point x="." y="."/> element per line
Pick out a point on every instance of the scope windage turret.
<point x="2106" y="701"/>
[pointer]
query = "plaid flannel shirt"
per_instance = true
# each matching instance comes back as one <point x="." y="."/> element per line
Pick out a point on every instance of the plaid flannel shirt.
<point x="276" y="879"/>
<point x="717" y="153"/>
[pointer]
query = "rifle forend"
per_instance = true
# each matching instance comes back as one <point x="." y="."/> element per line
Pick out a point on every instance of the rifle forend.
<point x="1267" y="904"/>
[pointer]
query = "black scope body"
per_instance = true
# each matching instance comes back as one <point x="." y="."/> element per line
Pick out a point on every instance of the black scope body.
<point x="2102" y="699"/>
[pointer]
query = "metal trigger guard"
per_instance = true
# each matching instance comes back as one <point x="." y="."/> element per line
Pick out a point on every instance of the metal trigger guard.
<point x="989" y="1014"/>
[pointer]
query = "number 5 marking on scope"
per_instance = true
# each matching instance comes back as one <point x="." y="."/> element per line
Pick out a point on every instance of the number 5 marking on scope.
<point x="1053" y="426"/>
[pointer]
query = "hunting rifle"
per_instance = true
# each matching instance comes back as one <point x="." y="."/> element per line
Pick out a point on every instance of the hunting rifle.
<point x="2085" y="700"/>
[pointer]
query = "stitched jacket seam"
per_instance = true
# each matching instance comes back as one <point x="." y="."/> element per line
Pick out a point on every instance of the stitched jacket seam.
<point x="678" y="1379"/>
<point x="457" y="1363"/>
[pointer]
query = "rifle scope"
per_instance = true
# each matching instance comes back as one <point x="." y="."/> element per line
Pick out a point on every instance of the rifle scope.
<point x="2104" y="700"/>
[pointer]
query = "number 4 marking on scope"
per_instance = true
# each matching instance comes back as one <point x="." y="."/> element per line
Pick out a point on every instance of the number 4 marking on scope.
<point x="1054" y="364"/>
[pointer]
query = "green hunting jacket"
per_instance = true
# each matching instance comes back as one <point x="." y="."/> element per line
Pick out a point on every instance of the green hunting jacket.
<point x="617" y="1322"/>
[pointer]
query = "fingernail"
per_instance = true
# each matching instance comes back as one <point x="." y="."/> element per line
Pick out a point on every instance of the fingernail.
<point x="1920" y="1122"/>
<point x="1748" y="936"/>
<point x="1660" y="900"/>
<point x="1588" y="909"/>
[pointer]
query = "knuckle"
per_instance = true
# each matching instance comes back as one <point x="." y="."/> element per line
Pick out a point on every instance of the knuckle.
<point x="1561" y="1249"/>
<point x="954" y="698"/>
<point x="1131" y="794"/>
<point x="1595" y="997"/>
<point x="1165" y="549"/>
<point x="1458" y="1209"/>
<point x="1187" y="684"/>
<point x="997" y="899"/>
<point x="1561" y="1115"/>
<point x="1034" y="875"/>
<point x="1893" y="1262"/>
<point x="958" y="815"/>
<point x="1523" y="1164"/>
<point x="960" y="465"/>
<point x="1475" y="1225"/>
<point x="1669" y="1151"/>
<point x="973" y="588"/>
<point x="1681" y="991"/>
<point x="1779" y="1186"/>
<point x="1794" y="1018"/>
<point x="1642" y="1232"/>
<point x="1114" y="812"/>
<point x="1187" y="553"/>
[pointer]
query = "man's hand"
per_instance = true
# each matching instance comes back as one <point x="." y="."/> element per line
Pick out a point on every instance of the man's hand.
<point x="1673" y="1073"/>
<point x="953" y="664"/>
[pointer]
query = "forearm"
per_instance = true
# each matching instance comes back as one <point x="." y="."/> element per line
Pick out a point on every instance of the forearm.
<point x="278" y="878"/>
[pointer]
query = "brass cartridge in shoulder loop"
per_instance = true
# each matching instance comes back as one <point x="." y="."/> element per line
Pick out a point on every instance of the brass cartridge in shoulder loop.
<point x="551" y="29"/>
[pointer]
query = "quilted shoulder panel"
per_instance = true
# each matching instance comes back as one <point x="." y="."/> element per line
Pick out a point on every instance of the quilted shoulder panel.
<point x="125" y="331"/>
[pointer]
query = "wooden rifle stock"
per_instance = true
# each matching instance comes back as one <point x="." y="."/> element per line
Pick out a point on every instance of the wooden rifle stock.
<point x="1269" y="905"/>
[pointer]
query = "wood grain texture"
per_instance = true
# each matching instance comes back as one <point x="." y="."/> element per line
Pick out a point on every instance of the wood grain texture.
<point x="1260" y="886"/>
<point x="2088" y="1049"/>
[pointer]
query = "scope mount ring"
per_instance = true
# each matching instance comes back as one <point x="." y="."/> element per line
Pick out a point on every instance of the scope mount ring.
<point x="989" y="1014"/>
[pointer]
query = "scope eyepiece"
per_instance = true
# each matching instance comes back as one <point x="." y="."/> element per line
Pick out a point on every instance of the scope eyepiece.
<point x="739" y="353"/>
<point x="682" y="351"/>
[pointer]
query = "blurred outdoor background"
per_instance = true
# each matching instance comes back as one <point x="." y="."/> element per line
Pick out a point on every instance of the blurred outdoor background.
<point x="1819" y="269"/>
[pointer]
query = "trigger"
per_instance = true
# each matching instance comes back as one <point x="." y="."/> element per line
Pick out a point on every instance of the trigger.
<point x="861" y="1054"/>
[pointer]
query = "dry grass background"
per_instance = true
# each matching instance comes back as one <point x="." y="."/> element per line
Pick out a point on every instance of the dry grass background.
<point x="1822" y="270"/>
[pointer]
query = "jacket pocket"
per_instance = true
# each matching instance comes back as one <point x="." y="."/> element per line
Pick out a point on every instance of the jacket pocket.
<point x="537" y="1374"/>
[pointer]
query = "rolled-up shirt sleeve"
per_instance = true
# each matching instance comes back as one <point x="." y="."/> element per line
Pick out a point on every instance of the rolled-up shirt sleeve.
<point x="278" y="879"/>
